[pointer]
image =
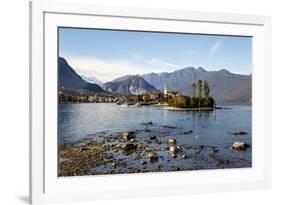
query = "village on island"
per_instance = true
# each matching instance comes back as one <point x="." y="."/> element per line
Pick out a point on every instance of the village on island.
<point x="169" y="99"/>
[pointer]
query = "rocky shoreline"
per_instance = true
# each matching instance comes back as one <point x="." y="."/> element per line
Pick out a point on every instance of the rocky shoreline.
<point x="142" y="151"/>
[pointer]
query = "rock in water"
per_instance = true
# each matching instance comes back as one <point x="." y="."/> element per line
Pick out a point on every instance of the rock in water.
<point x="152" y="138"/>
<point x="153" y="157"/>
<point x="119" y="145"/>
<point x="171" y="141"/>
<point x="147" y="123"/>
<point x="215" y="150"/>
<point x="169" y="126"/>
<point x="174" y="155"/>
<point x="240" y="133"/>
<point x="179" y="148"/>
<point x="174" y="149"/>
<point x="143" y="162"/>
<point x="239" y="145"/>
<point x="128" y="135"/>
<point x="188" y="132"/>
<point x="129" y="146"/>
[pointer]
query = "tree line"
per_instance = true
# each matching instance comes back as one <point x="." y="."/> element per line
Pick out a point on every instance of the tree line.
<point x="205" y="89"/>
<point x="200" y="97"/>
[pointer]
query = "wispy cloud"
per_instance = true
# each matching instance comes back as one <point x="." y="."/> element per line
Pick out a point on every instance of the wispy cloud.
<point x="107" y="70"/>
<point x="216" y="47"/>
<point x="156" y="62"/>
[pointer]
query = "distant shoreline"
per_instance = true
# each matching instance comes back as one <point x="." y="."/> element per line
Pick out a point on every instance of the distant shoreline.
<point x="220" y="106"/>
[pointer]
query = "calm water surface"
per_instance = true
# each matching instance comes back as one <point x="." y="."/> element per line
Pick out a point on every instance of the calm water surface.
<point x="86" y="122"/>
<point x="78" y="122"/>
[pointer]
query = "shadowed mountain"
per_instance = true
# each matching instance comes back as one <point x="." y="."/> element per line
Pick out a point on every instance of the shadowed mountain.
<point x="225" y="87"/>
<point x="132" y="84"/>
<point x="69" y="79"/>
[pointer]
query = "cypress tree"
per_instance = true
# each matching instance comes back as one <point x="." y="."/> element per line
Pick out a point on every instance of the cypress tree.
<point x="206" y="88"/>
<point x="193" y="90"/>
<point x="199" y="88"/>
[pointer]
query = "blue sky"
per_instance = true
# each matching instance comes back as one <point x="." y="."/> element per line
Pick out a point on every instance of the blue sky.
<point x="107" y="54"/>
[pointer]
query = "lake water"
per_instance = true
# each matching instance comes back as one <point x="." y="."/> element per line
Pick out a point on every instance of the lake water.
<point x="83" y="122"/>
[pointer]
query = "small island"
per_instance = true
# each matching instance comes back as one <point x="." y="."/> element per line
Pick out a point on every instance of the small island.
<point x="174" y="100"/>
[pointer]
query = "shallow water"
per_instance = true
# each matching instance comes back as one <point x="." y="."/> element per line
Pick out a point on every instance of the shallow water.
<point x="81" y="121"/>
<point x="211" y="130"/>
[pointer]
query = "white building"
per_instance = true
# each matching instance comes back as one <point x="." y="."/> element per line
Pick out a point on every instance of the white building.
<point x="165" y="90"/>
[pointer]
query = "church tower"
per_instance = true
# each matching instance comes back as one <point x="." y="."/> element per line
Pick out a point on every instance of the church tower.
<point x="165" y="90"/>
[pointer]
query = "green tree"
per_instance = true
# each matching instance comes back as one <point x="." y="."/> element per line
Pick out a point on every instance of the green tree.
<point x="207" y="102"/>
<point x="188" y="101"/>
<point x="170" y="101"/>
<point x="180" y="102"/>
<point x="206" y="88"/>
<point x="139" y="98"/>
<point x="199" y="88"/>
<point x="194" y="102"/>
<point x="193" y="90"/>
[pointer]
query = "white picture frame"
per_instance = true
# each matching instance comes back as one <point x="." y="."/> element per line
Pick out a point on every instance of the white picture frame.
<point x="46" y="187"/>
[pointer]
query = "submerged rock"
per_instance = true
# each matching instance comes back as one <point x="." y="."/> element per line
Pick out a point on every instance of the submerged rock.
<point x="174" y="155"/>
<point x="128" y="135"/>
<point x="239" y="146"/>
<point x="141" y="146"/>
<point x="179" y="148"/>
<point x="148" y="141"/>
<point x="152" y="138"/>
<point x="153" y="157"/>
<point x="147" y="123"/>
<point x="240" y="133"/>
<point x="214" y="150"/>
<point x="169" y="126"/>
<point x="127" y="147"/>
<point x="184" y="156"/>
<point x="143" y="162"/>
<point x="188" y="132"/>
<point x="172" y="141"/>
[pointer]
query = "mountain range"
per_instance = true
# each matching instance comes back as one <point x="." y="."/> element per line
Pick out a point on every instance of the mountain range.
<point x="133" y="84"/>
<point x="225" y="87"/>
